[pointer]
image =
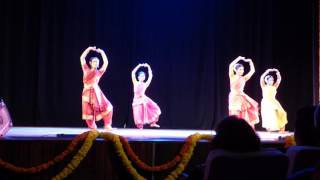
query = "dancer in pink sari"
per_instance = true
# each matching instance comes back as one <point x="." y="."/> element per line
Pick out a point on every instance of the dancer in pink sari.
<point x="145" y="111"/>
<point x="240" y="104"/>
<point x="95" y="106"/>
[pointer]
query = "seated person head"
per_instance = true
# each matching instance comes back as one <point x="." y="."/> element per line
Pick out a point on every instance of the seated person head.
<point x="236" y="135"/>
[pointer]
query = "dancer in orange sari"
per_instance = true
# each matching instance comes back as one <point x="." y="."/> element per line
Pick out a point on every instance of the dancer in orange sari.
<point x="145" y="111"/>
<point x="240" y="104"/>
<point x="95" y="106"/>
<point x="274" y="117"/>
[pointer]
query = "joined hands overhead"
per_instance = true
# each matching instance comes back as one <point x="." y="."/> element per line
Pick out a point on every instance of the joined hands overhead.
<point x="244" y="59"/>
<point x="94" y="48"/>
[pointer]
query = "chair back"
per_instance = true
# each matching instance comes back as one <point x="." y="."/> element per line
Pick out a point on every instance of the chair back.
<point x="302" y="157"/>
<point x="263" y="165"/>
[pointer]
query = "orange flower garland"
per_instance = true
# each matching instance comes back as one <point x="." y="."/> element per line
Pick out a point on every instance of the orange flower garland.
<point x="289" y="141"/>
<point x="126" y="162"/>
<point x="76" y="160"/>
<point x="45" y="166"/>
<point x="162" y="167"/>
<point x="186" y="156"/>
<point x="145" y="166"/>
<point x="180" y="161"/>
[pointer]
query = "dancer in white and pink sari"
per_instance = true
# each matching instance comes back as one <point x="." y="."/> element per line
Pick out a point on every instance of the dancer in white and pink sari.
<point x="145" y="111"/>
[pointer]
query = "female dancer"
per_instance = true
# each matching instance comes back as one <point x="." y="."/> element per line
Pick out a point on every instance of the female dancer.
<point x="95" y="106"/>
<point x="240" y="104"/>
<point x="145" y="111"/>
<point x="274" y="117"/>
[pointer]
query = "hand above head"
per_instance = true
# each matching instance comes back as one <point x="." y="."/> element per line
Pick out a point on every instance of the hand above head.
<point x="247" y="60"/>
<point x="99" y="50"/>
<point x="241" y="57"/>
<point x="85" y="53"/>
<point x="273" y="69"/>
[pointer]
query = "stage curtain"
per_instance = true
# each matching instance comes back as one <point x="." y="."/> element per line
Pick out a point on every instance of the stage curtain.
<point x="188" y="44"/>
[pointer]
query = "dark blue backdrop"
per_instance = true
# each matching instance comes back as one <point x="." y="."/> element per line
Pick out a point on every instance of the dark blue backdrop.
<point x="188" y="43"/>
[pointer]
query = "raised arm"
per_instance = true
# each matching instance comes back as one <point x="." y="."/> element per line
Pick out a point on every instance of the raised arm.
<point x="85" y="53"/>
<point x="252" y="69"/>
<point x="150" y="75"/>
<point x="133" y="73"/>
<point x="231" y="65"/>
<point x="104" y="59"/>
<point x="262" y="82"/>
<point x="278" y="78"/>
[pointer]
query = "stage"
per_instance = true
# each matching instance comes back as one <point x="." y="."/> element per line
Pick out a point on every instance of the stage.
<point x="30" y="146"/>
<point x="171" y="135"/>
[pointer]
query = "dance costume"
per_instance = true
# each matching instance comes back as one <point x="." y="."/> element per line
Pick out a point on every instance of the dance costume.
<point x="95" y="106"/>
<point x="145" y="111"/>
<point x="240" y="102"/>
<point x="274" y="117"/>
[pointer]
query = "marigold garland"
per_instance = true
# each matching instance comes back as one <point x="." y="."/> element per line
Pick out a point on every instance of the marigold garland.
<point x="180" y="161"/>
<point x="187" y="154"/>
<point x="45" y="166"/>
<point x="76" y="160"/>
<point x="289" y="141"/>
<point x="164" y="166"/>
<point x="120" y="151"/>
<point x="145" y="166"/>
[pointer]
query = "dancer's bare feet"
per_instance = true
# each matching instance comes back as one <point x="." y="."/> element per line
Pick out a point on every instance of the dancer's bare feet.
<point x="282" y="131"/>
<point x="91" y="124"/>
<point x="108" y="128"/>
<point x="154" y="125"/>
<point x="139" y="126"/>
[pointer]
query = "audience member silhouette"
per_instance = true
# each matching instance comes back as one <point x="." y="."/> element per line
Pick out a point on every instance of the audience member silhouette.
<point x="236" y="135"/>
<point x="306" y="128"/>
